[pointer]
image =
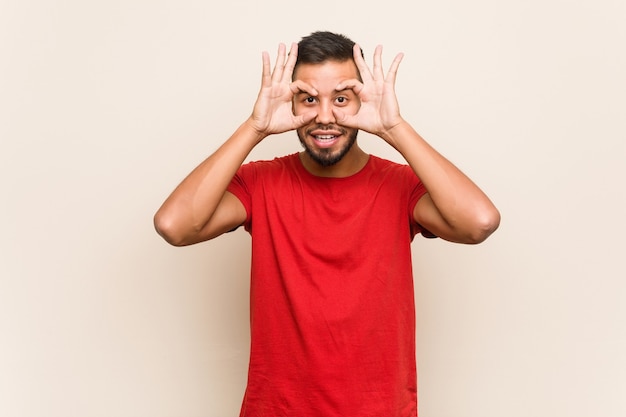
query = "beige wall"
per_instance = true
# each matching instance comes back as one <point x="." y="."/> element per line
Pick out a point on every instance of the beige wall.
<point x="106" y="105"/>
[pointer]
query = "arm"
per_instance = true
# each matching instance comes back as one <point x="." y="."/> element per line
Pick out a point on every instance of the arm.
<point x="200" y="208"/>
<point x="454" y="208"/>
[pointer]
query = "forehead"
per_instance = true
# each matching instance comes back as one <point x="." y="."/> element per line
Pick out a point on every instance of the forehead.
<point x="326" y="74"/>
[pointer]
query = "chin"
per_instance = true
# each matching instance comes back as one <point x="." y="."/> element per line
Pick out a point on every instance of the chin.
<point x="328" y="156"/>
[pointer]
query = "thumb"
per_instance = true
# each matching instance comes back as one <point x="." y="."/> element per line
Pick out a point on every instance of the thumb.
<point x="345" y="119"/>
<point x="305" y="118"/>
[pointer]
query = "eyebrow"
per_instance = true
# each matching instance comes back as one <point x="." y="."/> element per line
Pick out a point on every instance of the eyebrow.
<point x="343" y="90"/>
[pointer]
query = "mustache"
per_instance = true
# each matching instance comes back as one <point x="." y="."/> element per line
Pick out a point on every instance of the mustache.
<point x="331" y="126"/>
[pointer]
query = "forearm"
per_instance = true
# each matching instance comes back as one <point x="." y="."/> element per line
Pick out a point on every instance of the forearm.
<point x="467" y="211"/>
<point x="191" y="205"/>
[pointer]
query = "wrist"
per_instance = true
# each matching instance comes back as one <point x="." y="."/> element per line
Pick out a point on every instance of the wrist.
<point x="395" y="134"/>
<point x="250" y="127"/>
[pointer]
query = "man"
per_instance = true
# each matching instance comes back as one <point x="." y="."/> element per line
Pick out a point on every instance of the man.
<point x="332" y="307"/>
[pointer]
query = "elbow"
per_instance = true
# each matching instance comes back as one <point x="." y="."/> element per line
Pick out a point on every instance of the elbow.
<point x="166" y="228"/>
<point x="484" y="225"/>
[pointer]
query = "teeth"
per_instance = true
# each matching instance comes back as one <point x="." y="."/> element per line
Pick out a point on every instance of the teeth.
<point x="324" y="137"/>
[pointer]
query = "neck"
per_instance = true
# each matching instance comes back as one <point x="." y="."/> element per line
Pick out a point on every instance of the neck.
<point x="349" y="165"/>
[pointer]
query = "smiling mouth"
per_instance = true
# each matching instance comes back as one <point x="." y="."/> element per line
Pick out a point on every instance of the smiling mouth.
<point x="325" y="138"/>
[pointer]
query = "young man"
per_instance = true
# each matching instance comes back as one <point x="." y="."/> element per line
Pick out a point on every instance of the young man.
<point x="332" y="307"/>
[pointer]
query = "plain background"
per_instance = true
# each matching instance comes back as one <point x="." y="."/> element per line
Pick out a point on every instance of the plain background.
<point x="106" y="105"/>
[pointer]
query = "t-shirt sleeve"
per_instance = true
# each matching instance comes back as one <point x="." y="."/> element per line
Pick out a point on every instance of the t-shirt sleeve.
<point x="418" y="191"/>
<point x="241" y="185"/>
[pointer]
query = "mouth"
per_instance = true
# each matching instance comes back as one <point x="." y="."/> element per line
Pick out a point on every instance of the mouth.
<point x="325" y="139"/>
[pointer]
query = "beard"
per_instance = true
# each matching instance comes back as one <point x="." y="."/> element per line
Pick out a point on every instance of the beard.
<point x="326" y="156"/>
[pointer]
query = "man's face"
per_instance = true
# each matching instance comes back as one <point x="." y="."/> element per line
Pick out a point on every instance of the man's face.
<point x="323" y="139"/>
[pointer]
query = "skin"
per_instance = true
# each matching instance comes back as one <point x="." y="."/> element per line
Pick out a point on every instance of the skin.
<point x="326" y="104"/>
<point x="338" y="155"/>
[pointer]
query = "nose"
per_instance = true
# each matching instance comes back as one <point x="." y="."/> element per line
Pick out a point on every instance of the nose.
<point x="325" y="114"/>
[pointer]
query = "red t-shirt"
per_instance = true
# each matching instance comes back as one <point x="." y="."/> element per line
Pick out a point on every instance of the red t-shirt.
<point x="332" y="304"/>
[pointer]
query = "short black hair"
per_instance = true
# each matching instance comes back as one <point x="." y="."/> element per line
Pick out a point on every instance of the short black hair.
<point x="322" y="46"/>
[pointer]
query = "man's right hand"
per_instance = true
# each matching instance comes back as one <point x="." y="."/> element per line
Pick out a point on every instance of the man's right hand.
<point x="273" y="110"/>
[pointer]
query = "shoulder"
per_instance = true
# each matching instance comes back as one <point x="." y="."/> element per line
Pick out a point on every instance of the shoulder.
<point x="391" y="168"/>
<point x="255" y="178"/>
<point x="278" y="163"/>
<point x="379" y="162"/>
<point x="253" y="169"/>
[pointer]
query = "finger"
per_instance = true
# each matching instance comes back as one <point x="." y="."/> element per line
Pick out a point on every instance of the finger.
<point x="266" y="76"/>
<point x="344" y="119"/>
<point x="353" y="84"/>
<point x="378" y="62"/>
<point x="360" y="63"/>
<point x="279" y="67"/>
<point x="291" y="63"/>
<point x="300" y="86"/>
<point x="393" y="69"/>
<point x="305" y="118"/>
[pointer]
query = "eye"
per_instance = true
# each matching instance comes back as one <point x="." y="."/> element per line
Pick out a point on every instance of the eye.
<point x="310" y="99"/>
<point x="341" y="100"/>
